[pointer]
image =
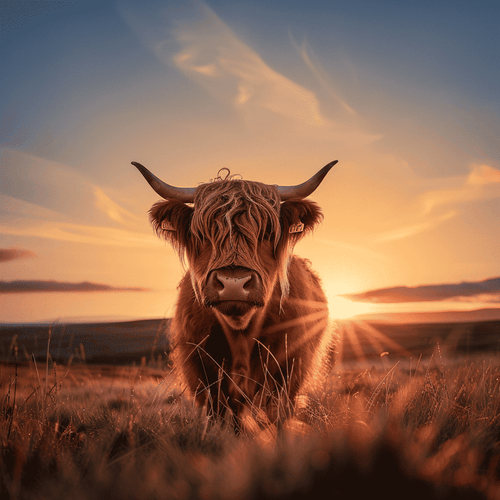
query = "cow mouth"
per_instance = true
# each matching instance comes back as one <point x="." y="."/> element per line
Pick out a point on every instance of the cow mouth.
<point x="234" y="308"/>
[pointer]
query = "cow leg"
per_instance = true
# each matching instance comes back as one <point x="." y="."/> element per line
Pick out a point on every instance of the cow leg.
<point x="240" y="374"/>
<point x="241" y="387"/>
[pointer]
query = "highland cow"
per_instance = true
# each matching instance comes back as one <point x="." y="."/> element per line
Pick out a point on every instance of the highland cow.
<point x="250" y="326"/>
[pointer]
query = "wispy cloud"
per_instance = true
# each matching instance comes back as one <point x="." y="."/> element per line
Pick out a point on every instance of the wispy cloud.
<point x="353" y="249"/>
<point x="55" y="190"/>
<point x="219" y="61"/>
<point x="214" y="57"/>
<point x="485" y="291"/>
<point x="79" y="233"/>
<point x="114" y="211"/>
<point x="483" y="182"/>
<point x="29" y="286"/>
<point x="7" y="254"/>
<point x="413" y="229"/>
<point x="13" y="209"/>
<point x="484" y="175"/>
<point x="64" y="206"/>
<point x="436" y="201"/>
<point x="317" y="70"/>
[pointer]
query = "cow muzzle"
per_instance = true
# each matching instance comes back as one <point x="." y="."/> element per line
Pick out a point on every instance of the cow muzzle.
<point x="234" y="288"/>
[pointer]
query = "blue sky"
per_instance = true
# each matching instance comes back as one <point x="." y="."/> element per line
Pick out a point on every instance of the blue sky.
<point x="404" y="94"/>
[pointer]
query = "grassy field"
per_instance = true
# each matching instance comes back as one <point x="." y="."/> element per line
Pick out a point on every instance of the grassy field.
<point x="394" y="427"/>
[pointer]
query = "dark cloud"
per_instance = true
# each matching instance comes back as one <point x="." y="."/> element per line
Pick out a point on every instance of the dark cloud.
<point x="426" y="293"/>
<point x="7" y="254"/>
<point x="23" y="286"/>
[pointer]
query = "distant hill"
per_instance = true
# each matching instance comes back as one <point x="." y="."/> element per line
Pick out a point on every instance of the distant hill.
<point x="415" y="339"/>
<point x="486" y="314"/>
<point x="122" y="343"/>
<point x="116" y="342"/>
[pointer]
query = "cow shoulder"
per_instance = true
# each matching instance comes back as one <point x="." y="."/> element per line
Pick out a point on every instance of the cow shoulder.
<point x="304" y="282"/>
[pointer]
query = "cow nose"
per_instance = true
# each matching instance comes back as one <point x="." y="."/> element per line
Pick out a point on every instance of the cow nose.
<point x="234" y="284"/>
<point x="233" y="287"/>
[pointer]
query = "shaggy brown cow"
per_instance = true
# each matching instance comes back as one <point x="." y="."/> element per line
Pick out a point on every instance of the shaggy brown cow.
<point x="250" y="326"/>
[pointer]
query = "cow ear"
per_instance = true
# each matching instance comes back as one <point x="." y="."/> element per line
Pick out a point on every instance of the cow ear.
<point x="298" y="217"/>
<point x="171" y="221"/>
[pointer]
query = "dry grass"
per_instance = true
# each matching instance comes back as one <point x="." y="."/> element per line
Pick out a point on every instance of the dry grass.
<point x="83" y="432"/>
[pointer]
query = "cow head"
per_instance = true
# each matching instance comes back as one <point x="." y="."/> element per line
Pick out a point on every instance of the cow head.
<point x="237" y="237"/>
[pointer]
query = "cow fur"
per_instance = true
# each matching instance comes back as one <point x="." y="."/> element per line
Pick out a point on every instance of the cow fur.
<point x="266" y="360"/>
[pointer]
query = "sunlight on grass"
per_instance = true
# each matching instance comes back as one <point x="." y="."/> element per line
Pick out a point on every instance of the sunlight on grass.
<point x="90" y="432"/>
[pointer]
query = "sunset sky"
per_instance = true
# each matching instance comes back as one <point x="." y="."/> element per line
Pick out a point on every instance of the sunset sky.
<point x="405" y="95"/>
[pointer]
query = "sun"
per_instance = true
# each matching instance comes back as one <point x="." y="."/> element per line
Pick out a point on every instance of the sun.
<point x="336" y="284"/>
<point x="341" y="308"/>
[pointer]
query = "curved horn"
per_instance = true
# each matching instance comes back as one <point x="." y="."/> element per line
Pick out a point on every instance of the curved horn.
<point x="165" y="190"/>
<point x="306" y="188"/>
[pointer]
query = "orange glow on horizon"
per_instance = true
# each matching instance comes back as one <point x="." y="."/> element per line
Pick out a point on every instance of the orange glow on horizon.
<point x="406" y="196"/>
<point x="341" y="308"/>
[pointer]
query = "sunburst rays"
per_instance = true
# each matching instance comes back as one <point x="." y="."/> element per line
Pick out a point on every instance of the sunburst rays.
<point x="361" y="341"/>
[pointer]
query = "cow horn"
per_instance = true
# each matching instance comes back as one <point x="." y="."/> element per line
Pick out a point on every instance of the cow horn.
<point x="306" y="188"/>
<point x="165" y="190"/>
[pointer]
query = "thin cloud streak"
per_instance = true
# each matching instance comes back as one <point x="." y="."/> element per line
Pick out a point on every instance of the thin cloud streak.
<point x="219" y="61"/>
<point x="435" y="206"/>
<point x="484" y="291"/>
<point x="483" y="182"/>
<point x="29" y="286"/>
<point x="114" y="211"/>
<point x="60" y="220"/>
<point x="16" y="208"/>
<point x="78" y="233"/>
<point x="315" y="67"/>
<point x="214" y="57"/>
<point x="351" y="248"/>
<point x="383" y="203"/>
<point x="8" y="254"/>
<point x="412" y="230"/>
<point x="59" y="188"/>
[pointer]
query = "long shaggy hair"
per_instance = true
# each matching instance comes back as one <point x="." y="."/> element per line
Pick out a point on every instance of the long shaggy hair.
<point x="234" y="216"/>
<point x="278" y="348"/>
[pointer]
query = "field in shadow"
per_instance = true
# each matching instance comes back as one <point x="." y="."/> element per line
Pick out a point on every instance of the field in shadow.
<point x="419" y="419"/>
<point x="117" y="343"/>
<point x="123" y="343"/>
